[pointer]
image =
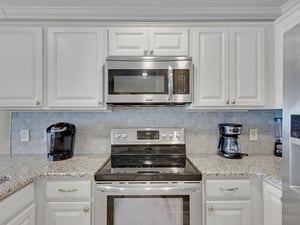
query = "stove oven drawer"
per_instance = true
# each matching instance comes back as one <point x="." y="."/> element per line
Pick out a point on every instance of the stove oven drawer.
<point x="222" y="189"/>
<point x="79" y="189"/>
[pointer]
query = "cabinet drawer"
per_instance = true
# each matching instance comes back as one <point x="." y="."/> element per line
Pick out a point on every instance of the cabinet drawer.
<point x="68" y="189"/>
<point x="228" y="188"/>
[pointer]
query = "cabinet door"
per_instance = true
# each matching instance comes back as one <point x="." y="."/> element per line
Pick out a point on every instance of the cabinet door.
<point x="168" y="41"/>
<point x="69" y="213"/>
<point x="211" y="67"/>
<point x="26" y="217"/>
<point x="21" y="72"/>
<point x="228" y="213"/>
<point x="128" y="41"/>
<point x="247" y="66"/>
<point x="75" y="68"/>
<point x="272" y="205"/>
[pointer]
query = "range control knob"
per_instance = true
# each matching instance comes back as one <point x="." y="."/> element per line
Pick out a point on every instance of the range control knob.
<point x="117" y="135"/>
<point x="178" y="136"/>
<point x="124" y="135"/>
<point x="163" y="135"/>
<point x="171" y="135"/>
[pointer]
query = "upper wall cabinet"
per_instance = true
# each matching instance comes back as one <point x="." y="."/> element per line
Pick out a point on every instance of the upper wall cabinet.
<point x="229" y="67"/>
<point x="21" y="70"/>
<point x="75" y="77"/>
<point x="140" y="41"/>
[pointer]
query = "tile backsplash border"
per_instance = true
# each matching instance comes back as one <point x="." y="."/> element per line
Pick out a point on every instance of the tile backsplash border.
<point x="93" y="128"/>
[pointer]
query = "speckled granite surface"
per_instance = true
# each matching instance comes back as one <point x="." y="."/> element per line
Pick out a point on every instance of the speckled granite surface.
<point x="267" y="166"/>
<point x="24" y="169"/>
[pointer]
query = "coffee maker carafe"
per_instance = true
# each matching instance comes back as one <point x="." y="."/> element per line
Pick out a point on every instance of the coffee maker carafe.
<point x="229" y="146"/>
<point x="60" y="141"/>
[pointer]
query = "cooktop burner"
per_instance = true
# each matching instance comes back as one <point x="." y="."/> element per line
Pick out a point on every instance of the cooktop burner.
<point x="146" y="154"/>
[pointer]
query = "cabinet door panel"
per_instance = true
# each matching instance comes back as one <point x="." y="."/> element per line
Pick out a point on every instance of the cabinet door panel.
<point x="127" y="41"/>
<point x="69" y="213"/>
<point x="211" y="66"/>
<point x="169" y="41"/>
<point x="228" y="213"/>
<point x="21" y="67"/>
<point x="247" y="66"/>
<point x="26" y="217"/>
<point x="74" y="67"/>
<point x="272" y="205"/>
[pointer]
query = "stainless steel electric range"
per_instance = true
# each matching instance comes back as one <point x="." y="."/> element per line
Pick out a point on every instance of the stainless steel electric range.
<point x="148" y="180"/>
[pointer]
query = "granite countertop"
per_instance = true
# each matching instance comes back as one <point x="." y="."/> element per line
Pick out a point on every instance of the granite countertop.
<point x="24" y="169"/>
<point x="265" y="165"/>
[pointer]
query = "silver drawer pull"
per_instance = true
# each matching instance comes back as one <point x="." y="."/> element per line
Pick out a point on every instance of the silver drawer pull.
<point x="210" y="208"/>
<point x="67" y="190"/>
<point x="229" y="189"/>
<point x="86" y="209"/>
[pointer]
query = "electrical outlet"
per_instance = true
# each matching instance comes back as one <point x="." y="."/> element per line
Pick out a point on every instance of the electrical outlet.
<point x="253" y="135"/>
<point x="24" y="133"/>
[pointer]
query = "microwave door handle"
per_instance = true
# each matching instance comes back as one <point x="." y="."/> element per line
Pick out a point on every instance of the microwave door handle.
<point x="170" y="83"/>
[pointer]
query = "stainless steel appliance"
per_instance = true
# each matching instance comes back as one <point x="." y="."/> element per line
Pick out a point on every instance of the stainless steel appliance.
<point x="229" y="146"/>
<point x="148" y="180"/>
<point x="278" y="137"/>
<point x="60" y="141"/>
<point x="148" y="80"/>
<point x="291" y="127"/>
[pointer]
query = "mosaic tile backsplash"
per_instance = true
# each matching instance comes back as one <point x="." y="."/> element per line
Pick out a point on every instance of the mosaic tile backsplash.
<point x="93" y="128"/>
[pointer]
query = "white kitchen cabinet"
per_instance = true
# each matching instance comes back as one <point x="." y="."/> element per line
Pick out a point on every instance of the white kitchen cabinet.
<point x="272" y="205"/>
<point x="69" y="213"/>
<point x="229" y="67"/>
<point x="227" y="202"/>
<point x="19" y="208"/>
<point x="68" y="202"/>
<point x="75" y="74"/>
<point x="21" y="67"/>
<point x="26" y="217"/>
<point x="143" y="41"/>
<point x="228" y="213"/>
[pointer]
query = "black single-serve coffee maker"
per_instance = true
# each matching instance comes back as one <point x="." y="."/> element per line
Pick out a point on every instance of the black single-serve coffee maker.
<point x="229" y="146"/>
<point x="60" y="141"/>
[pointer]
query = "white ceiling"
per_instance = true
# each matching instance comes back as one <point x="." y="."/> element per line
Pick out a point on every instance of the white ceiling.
<point x="137" y="9"/>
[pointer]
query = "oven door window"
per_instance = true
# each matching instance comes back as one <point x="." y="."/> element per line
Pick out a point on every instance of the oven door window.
<point x="148" y="210"/>
<point x="138" y="81"/>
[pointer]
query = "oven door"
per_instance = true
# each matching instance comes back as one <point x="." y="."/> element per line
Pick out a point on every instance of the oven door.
<point x="148" y="82"/>
<point x="148" y="203"/>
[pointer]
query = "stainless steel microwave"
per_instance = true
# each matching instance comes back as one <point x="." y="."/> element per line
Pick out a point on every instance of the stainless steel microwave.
<point x="148" y="80"/>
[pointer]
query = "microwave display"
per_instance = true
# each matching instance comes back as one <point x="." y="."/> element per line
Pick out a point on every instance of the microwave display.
<point x="295" y="126"/>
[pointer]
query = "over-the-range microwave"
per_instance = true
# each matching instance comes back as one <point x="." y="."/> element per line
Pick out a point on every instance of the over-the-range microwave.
<point x="148" y="80"/>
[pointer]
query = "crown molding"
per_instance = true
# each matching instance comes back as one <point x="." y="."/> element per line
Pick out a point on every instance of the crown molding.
<point x="290" y="5"/>
<point x="152" y="14"/>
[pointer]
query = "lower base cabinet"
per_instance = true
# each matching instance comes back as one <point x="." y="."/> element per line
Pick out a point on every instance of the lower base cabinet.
<point x="228" y="213"/>
<point x="69" y="213"/>
<point x="26" y="217"/>
<point x="272" y="205"/>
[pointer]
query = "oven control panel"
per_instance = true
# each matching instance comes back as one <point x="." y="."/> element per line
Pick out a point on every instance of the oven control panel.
<point x="147" y="136"/>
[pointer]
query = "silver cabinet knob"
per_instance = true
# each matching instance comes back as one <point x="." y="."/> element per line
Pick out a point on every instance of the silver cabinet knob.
<point x="37" y="102"/>
<point x="86" y="209"/>
<point x="227" y="102"/>
<point x="233" y="102"/>
<point x="151" y="52"/>
<point x="210" y="208"/>
<point x="145" y="52"/>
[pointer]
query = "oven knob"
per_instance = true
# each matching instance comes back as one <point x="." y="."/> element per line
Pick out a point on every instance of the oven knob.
<point x="163" y="135"/>
<point x="124" y="135"/>
<point x="117" y="135"/>
<point x="171" y="135"/>
<point x="178" y="135"/>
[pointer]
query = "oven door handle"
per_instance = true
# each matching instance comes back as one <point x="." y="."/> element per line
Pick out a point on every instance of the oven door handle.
<point x="148" y="189"/>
